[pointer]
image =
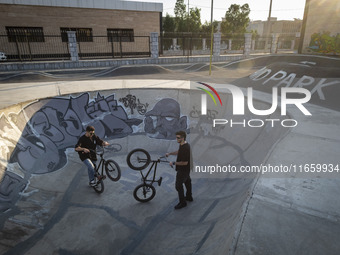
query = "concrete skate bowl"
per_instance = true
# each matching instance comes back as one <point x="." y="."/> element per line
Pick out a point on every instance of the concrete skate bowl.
<point x="47" y="206"/>
<point x="320" y="75"/>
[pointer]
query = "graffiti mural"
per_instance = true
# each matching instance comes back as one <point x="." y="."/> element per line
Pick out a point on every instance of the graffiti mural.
<point x="164" y="120"/>
<point x="55" y="124"/>
<point x="34" y="140"/>
<point x="133" y="103"/>
<point x="325" y="43"/>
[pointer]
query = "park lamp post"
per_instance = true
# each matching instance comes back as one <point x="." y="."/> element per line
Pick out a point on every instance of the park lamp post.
<point x="269" y="24"/>
<point x="188" y="24"/>
<point x="212" y="35"/>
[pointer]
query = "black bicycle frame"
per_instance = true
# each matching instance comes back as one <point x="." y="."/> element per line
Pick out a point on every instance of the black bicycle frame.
<point x="100" y="163"/>
<point x="154" y="164"/>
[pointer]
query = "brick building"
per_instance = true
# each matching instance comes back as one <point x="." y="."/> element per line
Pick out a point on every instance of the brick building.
<point x="98" y="15"/>
<point x="110" y="21"/>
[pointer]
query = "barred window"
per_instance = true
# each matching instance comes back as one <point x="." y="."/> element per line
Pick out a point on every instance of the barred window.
<point x="25" y="34"/>
<point x="82" y="34"/>
<point x="120" y="35"/>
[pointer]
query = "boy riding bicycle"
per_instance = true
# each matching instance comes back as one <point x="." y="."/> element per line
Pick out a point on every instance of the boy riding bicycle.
<point x="86" y="148"/>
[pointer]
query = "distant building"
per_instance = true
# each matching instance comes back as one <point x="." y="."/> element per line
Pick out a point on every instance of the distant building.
<point x="287" y="26"/>
<point x="257" y="25"/>
<point x="276" y="26"/>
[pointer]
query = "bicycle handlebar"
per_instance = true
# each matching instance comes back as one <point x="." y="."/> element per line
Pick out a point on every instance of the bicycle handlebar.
<point x="110" y="147"/>
<point x="165" y="161"/>
<point x="159" y="160"/>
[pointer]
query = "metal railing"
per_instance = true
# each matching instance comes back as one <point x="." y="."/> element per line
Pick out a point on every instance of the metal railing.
<point x="106" y="47"/>
<point x="23" y="48"/>
<point x="184" y="44"/>
<point x="287" y="42"/>
<point x="20" y="47"/>
<point x="37" y="46"/>
<point x="232" y="44"/>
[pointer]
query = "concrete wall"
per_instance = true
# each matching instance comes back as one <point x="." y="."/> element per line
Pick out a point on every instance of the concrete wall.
<point x="22" y="66"/>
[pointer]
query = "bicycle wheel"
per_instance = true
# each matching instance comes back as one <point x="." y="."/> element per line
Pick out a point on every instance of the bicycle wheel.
<point x="99" y="188"/>
<point x="138" y="159"/>
<point x="112" y="170"/>
<point x="144" y="192"/>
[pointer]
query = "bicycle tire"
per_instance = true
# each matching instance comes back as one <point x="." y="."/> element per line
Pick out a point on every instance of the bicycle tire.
<point x="112" y="170"/>
<point x="99" y="188"/>
<point x="135" y="157"/>
<point x="141" y="192"/>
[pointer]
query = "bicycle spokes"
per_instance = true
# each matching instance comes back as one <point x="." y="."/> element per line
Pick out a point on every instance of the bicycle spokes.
<point x="144" y="192"/>
<point x="138" y="159"/>
<point x="112" y="170"/>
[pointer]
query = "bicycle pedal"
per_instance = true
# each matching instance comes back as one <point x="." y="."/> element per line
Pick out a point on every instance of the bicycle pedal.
<point x="101" y="177"/>
<point x="160" y="181"/>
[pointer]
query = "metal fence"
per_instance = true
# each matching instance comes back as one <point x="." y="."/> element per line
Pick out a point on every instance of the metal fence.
<point x="37" y="46"/>
<point x="25" y="48"/>
<point x="106" y="47"/>
<point x="184" y="44"/>
<point x="261" y="44"/>
<point x="232" y="44"/>
<point x="288" y="42"/>
<point x="187" y="44"/>
<point x="21" y="47"/>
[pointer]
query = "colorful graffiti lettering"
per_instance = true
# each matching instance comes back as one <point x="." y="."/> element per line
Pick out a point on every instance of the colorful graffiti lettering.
<point x="325" y="43"/>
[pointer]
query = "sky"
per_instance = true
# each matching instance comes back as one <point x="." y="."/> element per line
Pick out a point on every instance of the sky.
<point x="259" y="9"/>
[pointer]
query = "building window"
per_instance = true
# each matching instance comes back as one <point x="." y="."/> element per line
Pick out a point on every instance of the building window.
<point x="25" y="34"/>
<point x="82" y="34"/>
<point x="117" y="35"/>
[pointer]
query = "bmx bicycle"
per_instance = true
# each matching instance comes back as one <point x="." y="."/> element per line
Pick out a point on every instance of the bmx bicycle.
<point x="111" y="167"/>
<point x="139" y="159"/>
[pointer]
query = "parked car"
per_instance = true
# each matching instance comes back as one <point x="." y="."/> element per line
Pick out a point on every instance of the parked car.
<point x="3" y="56"/>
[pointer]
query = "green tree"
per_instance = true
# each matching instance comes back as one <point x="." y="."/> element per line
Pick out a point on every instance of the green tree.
<point x="183" y="22"/>
<point x="169" y="24"/>
<point x="206" y="27"/>
<point x="194" y="20"/>
<point x="254" y="35"/>
<point x="180" y="9"/>
<point x="236" y="19"/>
<point x="180" y="15"/>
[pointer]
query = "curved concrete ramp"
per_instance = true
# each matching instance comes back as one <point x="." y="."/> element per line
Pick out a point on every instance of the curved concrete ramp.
<point x="47" y="206"/>
<point x="55" y="210"/>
